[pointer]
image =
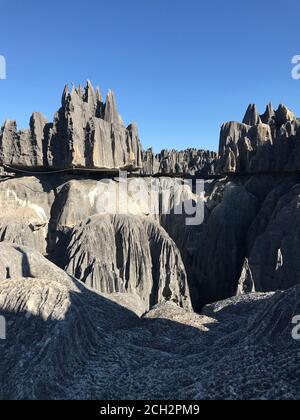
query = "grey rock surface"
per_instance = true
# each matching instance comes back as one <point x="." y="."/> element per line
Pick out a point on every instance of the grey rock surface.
<point x="261" y="144"/>
<point x="19" y="261"/>
<point x="128" y="254"/>
<point x="25" y="207"/>
<point x="86" y="133"/>
<point x="190" y="162"/>
<point x="115" y="321"/>
<point x="221" y="245"/>
<point x="23" y="148"/>
<point x="273" y="240"/>
<point x="65" y="341"/>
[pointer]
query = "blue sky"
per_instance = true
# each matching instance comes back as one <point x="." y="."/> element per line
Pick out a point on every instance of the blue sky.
<point x="179" y="68"/>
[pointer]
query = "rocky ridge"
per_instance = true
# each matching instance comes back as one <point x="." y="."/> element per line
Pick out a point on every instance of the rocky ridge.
<point x="100" y="289"/>
<point x="86" y="133"/>
<point x="267" y="143"/>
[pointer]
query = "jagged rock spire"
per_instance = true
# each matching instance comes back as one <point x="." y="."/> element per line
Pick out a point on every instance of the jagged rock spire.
<point x="269" y="114"/>
<point x="111" y="111"/>
<point x="252" y="116"/>
<point x="81" y="92"/>
<point x="85" y="133"/>
<point x="283" y="115"/>
<point x="90" y="94"/>
<point x="65" y="95"/>
<point x="98" y="94"/>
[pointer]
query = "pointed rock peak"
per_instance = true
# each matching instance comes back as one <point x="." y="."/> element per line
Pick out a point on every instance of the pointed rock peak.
<point x="8" y="128"/>
<point x="37" y="124"/>
<point x="89" y="84"/>
<point x="65" y="95"/>
<point x="38" y="117"/>
<point x="133" y="128"/>
<point x="270" y="108"/>
<point x="98" y="94"/>
<point x="110" y="96"/>
<point x="74" y="96"/>
<point x="74" y="90"/>
<point x="269" y="114"/>
<point x="246" y="281"/>
<point x="89" y="88"/>
<point x="80" y="91"/>
<point x="90" y="95"/>
<point x="284" y="115"/>
<point x="251" y="117"/>
<point x="9" y="124"/>
<point x="111" y="112"/>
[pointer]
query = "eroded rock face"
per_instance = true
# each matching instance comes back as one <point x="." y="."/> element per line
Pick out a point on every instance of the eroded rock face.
<point x="155" y="198"/>
<point x="128" y="254"/>
<point x="19" y="261"/>
<point x="221" y="256"/>
<point x="24" y="148"/>
<point x="189" y="162"/>
<point x="274" y="251"/>
<point x="222" y="245"/>
<point x="261" y="144"/>
<point x="86" y="133"/>
<point x="25" y="206"/>
<point x="247" y="240"/>
<point x="64" y="341"/>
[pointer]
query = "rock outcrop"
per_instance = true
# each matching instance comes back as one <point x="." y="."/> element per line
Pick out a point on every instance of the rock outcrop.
<point x="128" y="254"/>
<point x="273" y="240"/>
<point x="24" y="148"/>
<point x="247" y="241"/>
<point x="190" y="162"/>
<point x="221" y="246"/>
<point x="22" y="262"/>
<point x="86" y="134"/>
<point x="25" y="207"/>
<point x="261" y="144"/>
<point x="109" y="313"/>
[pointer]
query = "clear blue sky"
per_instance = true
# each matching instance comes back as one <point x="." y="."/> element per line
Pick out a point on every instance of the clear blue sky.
<point x="179" y="68"/>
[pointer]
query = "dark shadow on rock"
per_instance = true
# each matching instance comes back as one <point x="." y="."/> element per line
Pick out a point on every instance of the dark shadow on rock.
<point x="80" y="345"/>
<point x="26" y="270"/>
<point x="44" y="358"/>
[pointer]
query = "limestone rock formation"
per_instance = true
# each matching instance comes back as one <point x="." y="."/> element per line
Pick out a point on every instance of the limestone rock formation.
<point x="252" y="116"/>
<point x="221" y="248"/>
<point x="25" y="207"/>
<point x="109" y="313"/>
<point x="274" y="253"/>
<point x="86" y="133"/>
<point x="189" y="162"/>
<point x="127" y="254"/>
<point x="24" y="148"/>
<point x="22" y="262"/>
<point x="262" y="144"/>
<point x="64" y="341"/>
